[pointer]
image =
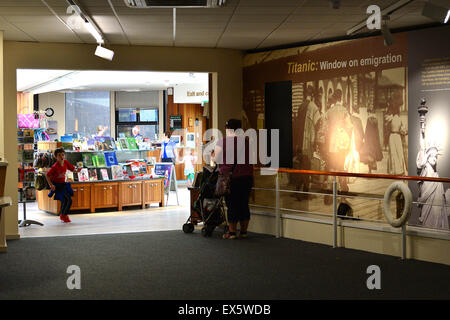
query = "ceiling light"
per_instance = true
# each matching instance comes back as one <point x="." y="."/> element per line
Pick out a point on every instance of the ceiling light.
<point x="387" y="35"/>
<point x="94" y="32"/>
<point x="104" y="53"/>
<point x="436" y="13"/>
<point x="335" y="4"/>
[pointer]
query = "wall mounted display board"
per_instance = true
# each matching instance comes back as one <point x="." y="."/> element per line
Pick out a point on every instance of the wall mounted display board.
<point x="167" y="170"/>
<point x="354" y="108"/>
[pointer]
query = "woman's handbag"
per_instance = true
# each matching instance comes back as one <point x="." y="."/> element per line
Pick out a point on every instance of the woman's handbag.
<point x="223" y="185"/>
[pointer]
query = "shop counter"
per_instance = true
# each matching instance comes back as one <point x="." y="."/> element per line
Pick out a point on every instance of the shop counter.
<point x="91" y="195"/>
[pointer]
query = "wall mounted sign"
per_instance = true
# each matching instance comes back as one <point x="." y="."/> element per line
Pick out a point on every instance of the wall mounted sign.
<point x="191" y="93"/>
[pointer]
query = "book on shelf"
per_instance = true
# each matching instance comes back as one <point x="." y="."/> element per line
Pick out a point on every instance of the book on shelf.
<point x="104" y="143"/>
<point x="104" y="173"/>
<point x="143" y="145"/>
<point x="142" y="167"/>
<point x="132" y="143"/>
<point x="123" y="144"/>
<point x="127" y="170"/>
<point x="91" y="144"/>
<point x="67" y="145"/>
<point x="92" y="174"/>
<point x="67" y="142"/>
<point x="87" y="160"/>
<point x="77" y="144"/>
<point x="99" y="160"/>
<point x="83" y="175"/>
<point x="117" y="172"/>
<point x="111" y="158"/>
<point x="69" y="176"/>
<point x="135" y="168"/>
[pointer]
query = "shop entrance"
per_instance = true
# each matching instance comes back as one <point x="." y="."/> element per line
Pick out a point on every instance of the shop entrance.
<point x="116" y="127"/>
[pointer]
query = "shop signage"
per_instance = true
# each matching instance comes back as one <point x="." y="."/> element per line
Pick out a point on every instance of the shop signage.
<point x="191" y="93"/>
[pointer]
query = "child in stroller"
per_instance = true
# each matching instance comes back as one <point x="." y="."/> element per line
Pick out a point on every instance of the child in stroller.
<point x="207" y="208"/>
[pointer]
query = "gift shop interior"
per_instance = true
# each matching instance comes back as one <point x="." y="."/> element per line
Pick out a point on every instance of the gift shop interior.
<point x="134" y="138"/>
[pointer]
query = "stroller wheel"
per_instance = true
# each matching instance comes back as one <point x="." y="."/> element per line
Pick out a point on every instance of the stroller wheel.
<point x="188" y="228"/>
<point x="204" y="232"/>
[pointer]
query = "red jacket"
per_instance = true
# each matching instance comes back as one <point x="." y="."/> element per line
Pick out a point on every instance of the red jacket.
<point x="57" y="173"/>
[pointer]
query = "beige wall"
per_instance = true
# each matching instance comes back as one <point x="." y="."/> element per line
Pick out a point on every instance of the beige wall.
<point x="387" y="240"/>
<point x="227" y="64"/>
<point x="55" y="100"/>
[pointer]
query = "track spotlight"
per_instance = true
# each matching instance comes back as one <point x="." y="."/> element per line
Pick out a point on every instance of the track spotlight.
<point x="387" y="35"/>
<point x="335" y="4"/>
<point x="104" y="53"/>
<point x="437" y="13"/>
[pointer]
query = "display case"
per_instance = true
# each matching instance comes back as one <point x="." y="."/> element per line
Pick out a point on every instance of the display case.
<point x="112" y="194"/>
<point x="105" y="183"/>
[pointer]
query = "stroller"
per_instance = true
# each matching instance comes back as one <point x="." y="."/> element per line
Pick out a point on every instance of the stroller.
<point x="207" y="208"/>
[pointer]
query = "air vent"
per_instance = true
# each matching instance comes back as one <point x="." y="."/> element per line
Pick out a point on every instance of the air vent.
<point x="175" y="3"/>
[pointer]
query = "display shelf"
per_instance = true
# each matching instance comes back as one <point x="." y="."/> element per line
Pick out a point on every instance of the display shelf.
<point x="26" y="189"/>
<point x="90" y="195"/>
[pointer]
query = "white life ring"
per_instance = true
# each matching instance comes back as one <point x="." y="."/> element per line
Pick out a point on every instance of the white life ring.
<point x="404" y="189"/>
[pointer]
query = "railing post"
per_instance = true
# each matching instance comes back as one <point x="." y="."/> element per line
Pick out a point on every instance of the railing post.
<point x="277" y="207"/>
<point x="404" y="241"/>
<point x="334" y="213"/>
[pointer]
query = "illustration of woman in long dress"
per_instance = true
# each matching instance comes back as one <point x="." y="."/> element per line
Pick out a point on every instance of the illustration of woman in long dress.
<point x="396" y="161"/>
<point x="434" y="213"/>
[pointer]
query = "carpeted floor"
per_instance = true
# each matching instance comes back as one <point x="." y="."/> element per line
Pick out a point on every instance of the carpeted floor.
<point x="173" y="265"/>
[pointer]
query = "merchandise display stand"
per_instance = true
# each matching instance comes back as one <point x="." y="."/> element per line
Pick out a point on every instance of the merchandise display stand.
<point x="172" y="185"/>
<point x="167" y="170"/>
<point x="27" y="182"/>
<point x="25" y="222"/>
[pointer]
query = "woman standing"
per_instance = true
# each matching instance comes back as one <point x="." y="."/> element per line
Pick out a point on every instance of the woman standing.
<point x="238" y="211"/>
<point x="168" y="150"/>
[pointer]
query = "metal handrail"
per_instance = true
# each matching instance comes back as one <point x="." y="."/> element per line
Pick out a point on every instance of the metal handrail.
<point x="335" y="195"/>
<point x="356" y="175"/>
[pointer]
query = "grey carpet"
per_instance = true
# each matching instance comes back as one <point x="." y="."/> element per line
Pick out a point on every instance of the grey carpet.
<point x="176" y="266"/>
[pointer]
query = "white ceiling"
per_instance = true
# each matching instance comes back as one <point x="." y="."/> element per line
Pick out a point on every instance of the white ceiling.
<point x="241" y="24"/>
<point x="41" y="81"/>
